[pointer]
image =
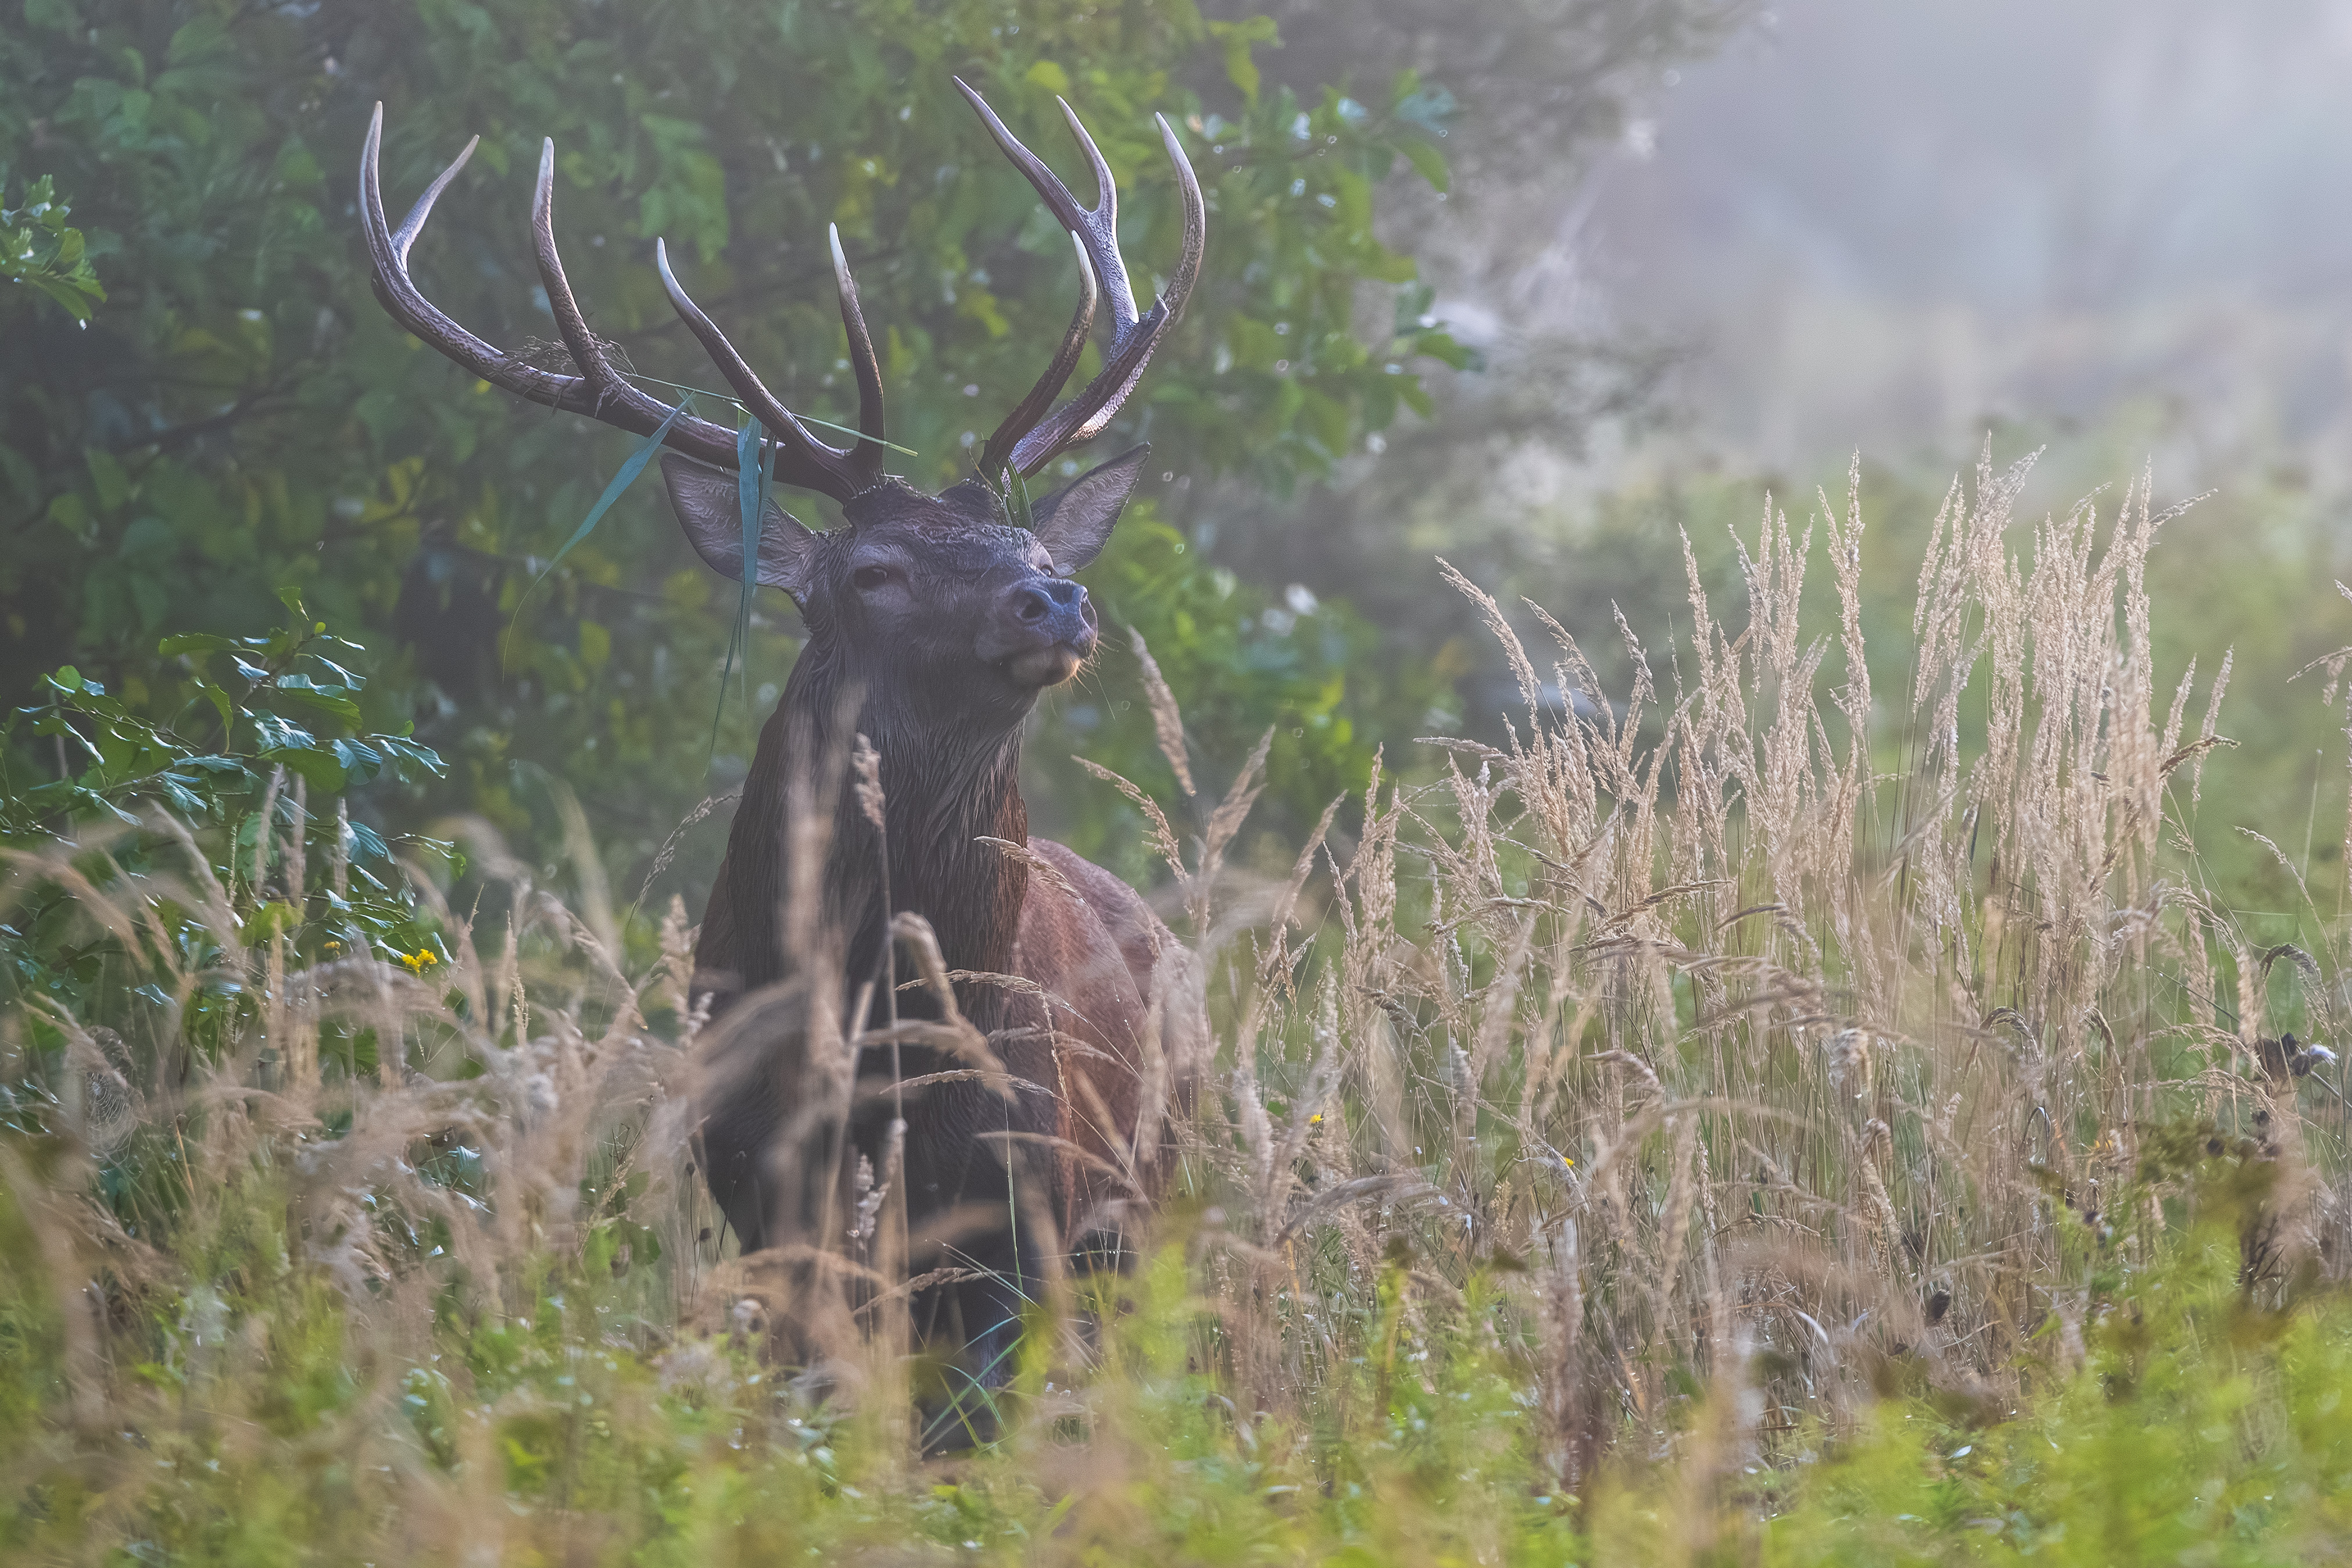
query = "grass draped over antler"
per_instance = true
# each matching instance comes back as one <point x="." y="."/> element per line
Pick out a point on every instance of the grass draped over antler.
<point x="1672" y="1080"/>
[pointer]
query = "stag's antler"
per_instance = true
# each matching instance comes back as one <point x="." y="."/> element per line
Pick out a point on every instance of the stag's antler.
<point x="599" y="390"/>
<point x="1030" y="438"/>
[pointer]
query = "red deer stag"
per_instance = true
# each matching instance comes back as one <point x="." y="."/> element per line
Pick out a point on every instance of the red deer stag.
<point x="934" y="624"/>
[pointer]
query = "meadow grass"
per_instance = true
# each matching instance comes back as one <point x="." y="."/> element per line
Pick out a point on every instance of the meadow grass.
<point x="1745" y="1118"/>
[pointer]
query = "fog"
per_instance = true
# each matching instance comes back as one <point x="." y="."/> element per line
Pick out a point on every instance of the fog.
<point x="1887" y="226"/>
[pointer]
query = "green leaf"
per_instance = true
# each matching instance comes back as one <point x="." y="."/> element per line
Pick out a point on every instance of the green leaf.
<point x="276" y="918"/>
<point x="194" y="642"/>
<point x="323" y="700"/>
<point x="410" y="759"/>
<point x="319" y="767"/>
<point x="1238" y="38"/>
<point x="625" y="476"/>
<point x="107" y="477"/>
<point x="752" y="495"/>
<point x="65" y="292"/>
<point x="221" y="705"/>
<point x="361" y="842"/>
<point x="277" y="735"/>
<point x="351" y="682"/>
<point x="1427" y="161"/>
<point x="357" y="758"/>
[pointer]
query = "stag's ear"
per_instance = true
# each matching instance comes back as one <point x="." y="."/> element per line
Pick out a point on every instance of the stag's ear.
<point x="1074" y="521"/>
<point x="711" y="513"/>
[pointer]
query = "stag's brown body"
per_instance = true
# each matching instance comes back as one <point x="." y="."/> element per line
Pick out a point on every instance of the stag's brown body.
<point x="934" y="623"/>
<point x="1061" y="962"/>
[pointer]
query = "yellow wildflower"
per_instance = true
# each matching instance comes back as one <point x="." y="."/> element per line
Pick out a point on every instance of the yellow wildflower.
<point x="422" y="959"/>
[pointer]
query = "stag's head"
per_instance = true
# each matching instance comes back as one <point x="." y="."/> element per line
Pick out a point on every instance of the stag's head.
<point x="938" y="601"/>
<point x="944" y="599"/>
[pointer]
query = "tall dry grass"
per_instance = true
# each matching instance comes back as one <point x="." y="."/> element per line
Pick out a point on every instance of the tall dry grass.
<point x="1761" y="1018"/>
<point x="1717" y="1050"/>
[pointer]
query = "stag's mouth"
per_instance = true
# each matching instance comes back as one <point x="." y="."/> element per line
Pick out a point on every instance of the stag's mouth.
<point x="1043" y="632"/>
<point x="1043" y="666"/>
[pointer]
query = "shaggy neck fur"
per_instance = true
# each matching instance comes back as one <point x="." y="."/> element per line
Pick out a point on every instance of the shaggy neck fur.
<point x="951" y="775"/>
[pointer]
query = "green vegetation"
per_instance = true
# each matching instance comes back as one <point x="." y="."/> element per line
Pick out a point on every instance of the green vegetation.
<point x="243" y="417"/>
<point x="1806" y="1162"/>
<point x="41" y="251"/>
<point x="247" y="791"/>
<point x="1822" y="1073"/>
<point x="271" y="1427"/>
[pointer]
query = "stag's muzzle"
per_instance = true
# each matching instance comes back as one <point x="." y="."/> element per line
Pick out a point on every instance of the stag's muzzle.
<point x="1046" y="630"/>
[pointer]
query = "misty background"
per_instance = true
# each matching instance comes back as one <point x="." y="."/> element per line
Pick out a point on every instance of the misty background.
<point x="2107" y="231"/>
<point x="1886" y="226"/>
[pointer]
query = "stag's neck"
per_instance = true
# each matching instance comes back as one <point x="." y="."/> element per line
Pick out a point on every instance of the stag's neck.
<point x="951" y="782"/>
<point x="948" y="789"/>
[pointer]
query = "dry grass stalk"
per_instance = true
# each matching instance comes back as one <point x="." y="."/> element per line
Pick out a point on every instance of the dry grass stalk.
<point x="1166" y="720"/>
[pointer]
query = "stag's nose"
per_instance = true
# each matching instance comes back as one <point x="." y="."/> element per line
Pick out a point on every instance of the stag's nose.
<point x="1055" y="609"/>
<point x="1045" y="630"/>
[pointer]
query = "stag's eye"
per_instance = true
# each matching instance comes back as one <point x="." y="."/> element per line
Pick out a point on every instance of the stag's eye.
<point x="869" y="578"/>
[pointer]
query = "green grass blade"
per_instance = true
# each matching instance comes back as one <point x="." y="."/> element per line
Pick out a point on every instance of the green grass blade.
<point x="809" y="419"/>
<point x="751" y="492"/>
<point x="634" y="465"/>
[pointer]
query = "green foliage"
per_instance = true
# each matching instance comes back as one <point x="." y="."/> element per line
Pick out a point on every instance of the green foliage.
<point x="244" y="779"/>
<point x="243" y="416"/>
<point x="127" y="756"/>
<point x="2202" y="1419"/>
<point x="41" y="251"/>
<point x="257" y="1420"/>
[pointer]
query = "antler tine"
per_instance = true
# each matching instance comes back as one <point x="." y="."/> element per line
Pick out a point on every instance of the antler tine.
<point x="868" y="454"/>
<point x="1096" y="229"/>
<point x="1032" y="408"/>
<point x="1196" y="224"/>
<point x="814" y="465"/>
<point x="1049" y="184"/>
<point x="600" y="390"/>
<point x="388" y="252"/>
<point x="1085" y="415"/>
<point x="586" y="351"/>
<point x="414" y="223"/>
<point x="1102" y="221"/>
